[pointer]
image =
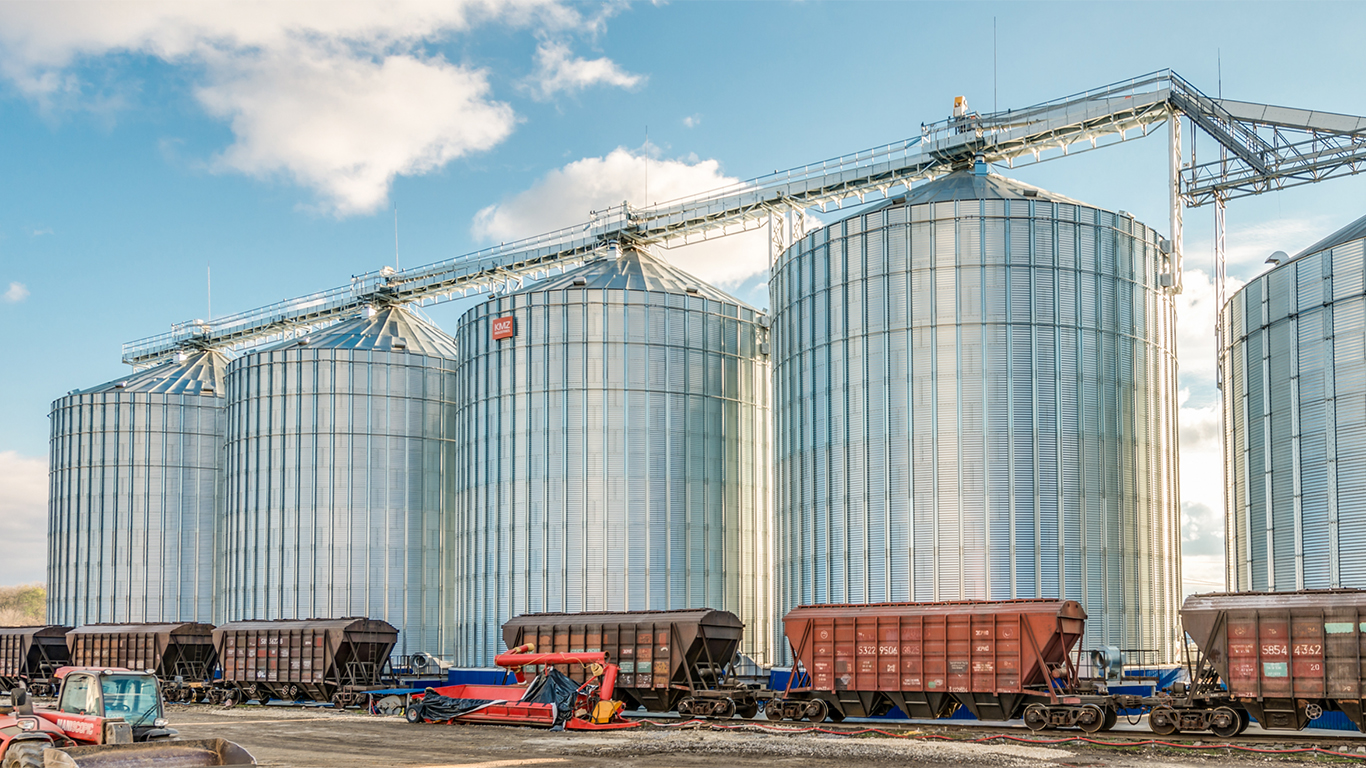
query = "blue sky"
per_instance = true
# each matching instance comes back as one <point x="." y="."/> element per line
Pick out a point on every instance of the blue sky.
<point x="140" y="143"/>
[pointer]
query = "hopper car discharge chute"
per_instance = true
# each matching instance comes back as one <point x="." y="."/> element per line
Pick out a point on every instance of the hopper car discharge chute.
<point x="550" y="699"/>
<point x="104" y="717"/>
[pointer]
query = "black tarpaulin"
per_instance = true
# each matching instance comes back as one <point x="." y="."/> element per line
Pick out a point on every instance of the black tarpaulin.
<point x="554" y="687"/>
<point x="550" y="687"/>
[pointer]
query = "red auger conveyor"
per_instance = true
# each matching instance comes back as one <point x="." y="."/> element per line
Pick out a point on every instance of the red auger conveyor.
<point x="548" y="700"/>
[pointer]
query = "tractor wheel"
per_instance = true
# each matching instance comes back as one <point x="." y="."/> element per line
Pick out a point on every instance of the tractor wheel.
<point x="413" y="715"/>
<point x="25" y="754"/>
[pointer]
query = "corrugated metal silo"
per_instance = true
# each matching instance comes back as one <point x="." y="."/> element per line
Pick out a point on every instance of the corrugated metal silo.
<point x="614" y="451"/>
<point x="1294" y="398"/>
<point x="338" y="478"/>
<point x="134" y="496"/>
<point x="975" y="399"/>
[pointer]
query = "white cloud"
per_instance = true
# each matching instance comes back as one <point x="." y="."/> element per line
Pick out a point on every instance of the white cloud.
<point x="346" y="126"/>
<point x="17" y="292"/>
<point x="23" y="518"/>
<point x="692" y="121"/>
<point x="1248" y="245"/>
<point x="1202" y="573"/>
<point x="1195" y="318"/>
<point x="339" y="97"/>
<point x="559" y="71"/>
<point x="565" y="197"/>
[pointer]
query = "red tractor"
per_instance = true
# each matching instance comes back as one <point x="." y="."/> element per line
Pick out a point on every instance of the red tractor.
<point x="103" y="716"/>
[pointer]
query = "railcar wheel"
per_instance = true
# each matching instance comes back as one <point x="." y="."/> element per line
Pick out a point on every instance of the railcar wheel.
<point x="1244" y="720"/>
<point x="1111" y="719"/>
<point x="773" y="710"/>
<point x="1163" y="721"/>
<point x="1225" y="723"/>
<point x="725" y="709"/>
<point x="816" y="711"/>
<point x="231" y="698"/>
<point x="748" y="711"/>
<point x="1036" y="717"/>
<point x="836" y="716"/>
<point x="685" y="707"/>
<point x="1091" y="718"/>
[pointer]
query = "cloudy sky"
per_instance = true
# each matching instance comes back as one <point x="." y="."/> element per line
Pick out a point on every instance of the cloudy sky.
<point x="143" y="143"/>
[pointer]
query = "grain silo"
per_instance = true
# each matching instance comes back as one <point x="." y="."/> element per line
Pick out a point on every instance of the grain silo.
<point x="134" y="495"/>
<point x="614" y="451"/>
<point x="974" y="393"/>
<point x="1294" y="401"/>
<point x="338" y="478"/>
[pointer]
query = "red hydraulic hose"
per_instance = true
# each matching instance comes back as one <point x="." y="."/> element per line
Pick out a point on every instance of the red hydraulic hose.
<point x="529" y="659"/>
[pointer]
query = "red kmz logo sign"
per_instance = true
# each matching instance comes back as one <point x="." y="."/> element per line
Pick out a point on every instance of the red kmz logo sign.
<point x="503" y="328"/>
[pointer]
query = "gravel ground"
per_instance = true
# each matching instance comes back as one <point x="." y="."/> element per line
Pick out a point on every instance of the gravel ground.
<point x="305" y="738"/>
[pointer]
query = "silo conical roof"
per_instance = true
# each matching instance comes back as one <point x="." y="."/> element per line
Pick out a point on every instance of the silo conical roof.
<point x="380" y="331"/>
<point x="966" y="185"/>
<point x="634" y="269"/>
<point x="201" y="372"/>
<point x="1354" y="231"/>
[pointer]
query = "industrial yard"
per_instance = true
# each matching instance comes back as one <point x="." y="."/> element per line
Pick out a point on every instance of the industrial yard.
<point x="896" y="479"/>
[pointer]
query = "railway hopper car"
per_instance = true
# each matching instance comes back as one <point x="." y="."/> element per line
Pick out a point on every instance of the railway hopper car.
<point x="336" y="660"/>
<point x="33" y="654"/>
<point x="670" y="660"/>
<point x="1283" y="658"/>
<point x="181" y="655"/>
<point x="1000" y="659"/>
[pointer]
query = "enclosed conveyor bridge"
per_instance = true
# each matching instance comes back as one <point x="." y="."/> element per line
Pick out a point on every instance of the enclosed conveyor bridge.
<point x="1261" y="148"/>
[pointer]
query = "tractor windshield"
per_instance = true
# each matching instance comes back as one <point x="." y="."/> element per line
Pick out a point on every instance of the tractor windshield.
<point x="132" y="697"/>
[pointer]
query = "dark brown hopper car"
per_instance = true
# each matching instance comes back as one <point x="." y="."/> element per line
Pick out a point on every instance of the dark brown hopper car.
<point x="180" y="655"/>
<point x="1000" y="659"/>
<point x="1285" y="657"/>
<point x="32" y="654"/>
<point x="669" y="659"/>
<point x="333" y="660"/>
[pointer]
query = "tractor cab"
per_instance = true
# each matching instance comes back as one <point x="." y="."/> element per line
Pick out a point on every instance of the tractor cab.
<point x="91" y="695"/>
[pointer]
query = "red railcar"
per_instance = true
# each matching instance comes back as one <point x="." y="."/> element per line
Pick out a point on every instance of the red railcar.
<point x="1283" y="658"/>
<point x="995" y="658"/>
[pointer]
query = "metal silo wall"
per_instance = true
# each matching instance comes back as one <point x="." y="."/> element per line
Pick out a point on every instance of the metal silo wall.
<point x="338" y="480"/>
<point x="133" y="505"/>
<point x="976" y="400"/>
<point x="614" y="455"/>
<point x="1294" y="405"/>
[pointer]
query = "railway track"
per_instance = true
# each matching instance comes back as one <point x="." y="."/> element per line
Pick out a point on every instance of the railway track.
<point x="1126" y="735"/>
